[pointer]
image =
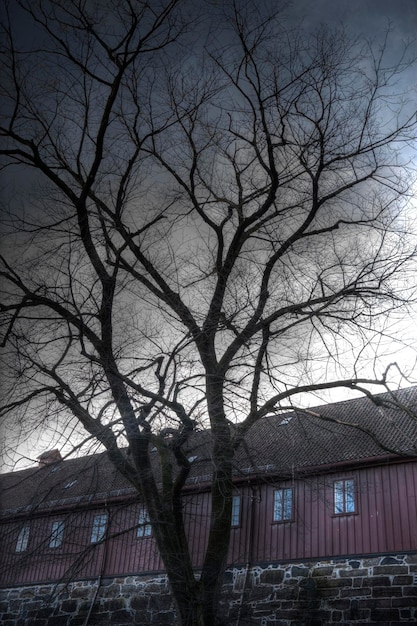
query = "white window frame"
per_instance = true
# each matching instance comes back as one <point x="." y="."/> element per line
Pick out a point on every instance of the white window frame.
<point x="57" y="534"/>
<point x="283" y="505"/>
<point x="144" y="526"/>
<point x="235" y="518"/>
<point x="23" y="538"/>
<point x="99" y="528"/>
<point x="344" y="496"/>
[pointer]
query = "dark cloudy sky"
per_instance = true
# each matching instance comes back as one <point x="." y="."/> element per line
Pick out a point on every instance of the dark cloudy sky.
<point x="363" y="17"/>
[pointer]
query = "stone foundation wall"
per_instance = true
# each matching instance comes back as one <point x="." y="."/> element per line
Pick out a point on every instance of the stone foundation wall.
<point x="379" y="590"/>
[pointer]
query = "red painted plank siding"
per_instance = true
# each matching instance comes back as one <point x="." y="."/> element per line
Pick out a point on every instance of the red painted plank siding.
<point x="384" y="521"/>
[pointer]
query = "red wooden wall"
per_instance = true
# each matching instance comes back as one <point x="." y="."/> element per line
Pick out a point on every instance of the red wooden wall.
<point x="384" y="521"/>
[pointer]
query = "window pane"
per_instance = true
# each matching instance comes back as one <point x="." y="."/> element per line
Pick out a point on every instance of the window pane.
<point x="283" y="499"/>
<point x="344" y="496"/>
<point x="287" y="513"/>
<point x="57" y="534"/>
<point x="278" y="505"/>
<point x="99" y="528"/>
<point x="144" y="529"/>
<point x="338" y="497"/>
<point x="235" y="511"/>
<point x="350" y="496"/>
<point x="23" y="539"/>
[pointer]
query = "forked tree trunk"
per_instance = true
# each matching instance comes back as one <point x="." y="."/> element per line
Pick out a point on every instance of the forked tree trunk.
<point x="197" y="601"/>
<point x="196" y="605"/>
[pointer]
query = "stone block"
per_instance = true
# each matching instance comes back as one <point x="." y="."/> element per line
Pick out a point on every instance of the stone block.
<point x="402" y="580"/>
<point x="380" y="615"/>
<point x="354" y="592"/>
<point x="347" y="573"/>
<point x="155" y="587"/>
<point x="121" y="617"/>
<point x="410" y="591"/>
<point x="411" y="558"/>
<point x="326" y="570"/>
<point x="84" y="608"/>
<point x="112" y="605"/>
<point x="405" y="602"/>
<point x="7" y="616"/>
<point x="337" y="616"/>
<point x="367" y="603"/>
<point x="59" y="620"/>
<point x="272" y="576"/>
<point x="391" y="560"/>
<point x="228" y="578"/>
<point x="381" y="603"/>
<point x="386" y="592"/>
<point x="160" y="603"/>
<point x="333" y="582"/>
<point x="45" y="611"/>
<point x="240" y="582"/>
<point x="288" y="614"/>
<point x="329" y="593"/>
<point x="69" y="606"/>
<point x="100" y="619"/>
<point x="32" y="607"/>
<point x="359" y="615"/>
<point x="81" y="592"/>
<point x="139" y="603"/>
<point x="390" y="570"/>
<point x="377" y="581"/>
<point x="297" y="571"/>
<point x="260" y="593"/>
<point x="341" y="604"/>
<point x="287" y="592"/>
<point x="320" y="617"/>
<point x="128" y="590"/>
<point x="77" y="620"/>
<point x="163" y="618"/>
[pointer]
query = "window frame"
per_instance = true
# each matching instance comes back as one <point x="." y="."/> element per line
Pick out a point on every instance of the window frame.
<point x="236" y="511"/>
<point x="144" y="528"/>
<point x="56" y="537"/>
<point x="345" y="501"/>
<point x="22" y="540"/>
<point x="279" y="509"/>
<point x="99" y="528"/>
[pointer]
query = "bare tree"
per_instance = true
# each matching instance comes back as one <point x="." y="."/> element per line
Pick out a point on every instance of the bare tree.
<point x="199" y="238"/>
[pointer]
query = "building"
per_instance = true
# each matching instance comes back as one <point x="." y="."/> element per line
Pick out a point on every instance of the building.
<point x="324" y="527"/>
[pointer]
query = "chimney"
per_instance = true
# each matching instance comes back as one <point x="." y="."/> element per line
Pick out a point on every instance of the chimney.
<point x="49" y="457"/>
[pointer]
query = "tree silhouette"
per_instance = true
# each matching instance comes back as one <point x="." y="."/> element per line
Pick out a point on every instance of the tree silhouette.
<point x="199" y="238"/>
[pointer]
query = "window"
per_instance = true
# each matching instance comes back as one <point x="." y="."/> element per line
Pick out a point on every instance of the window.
<point x="283" y="505"/>
<point x="57" y="534"/>
<point x="99" y="528"/>
<point x="235" y="521"/>
<point x="144" y="527"/>
<point x="23" y="539"/>
<point x="344" y="496"/>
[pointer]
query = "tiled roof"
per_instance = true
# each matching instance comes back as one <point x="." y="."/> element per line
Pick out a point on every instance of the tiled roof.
<point x="289" y="443"/>
<point x="352" y="430"/>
